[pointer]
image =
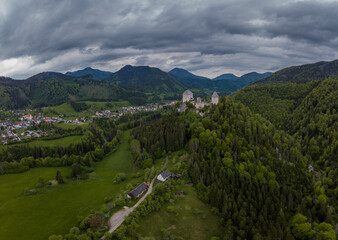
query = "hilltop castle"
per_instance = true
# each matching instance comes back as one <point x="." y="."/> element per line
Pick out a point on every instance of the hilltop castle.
<point x="188" y="96"/>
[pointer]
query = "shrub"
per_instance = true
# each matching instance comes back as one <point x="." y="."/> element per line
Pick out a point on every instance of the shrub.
<point x="97" y="221"/>
<point x="74" y="230"/>
<point x="120" y="177"/>
<point x="55" y="237"/>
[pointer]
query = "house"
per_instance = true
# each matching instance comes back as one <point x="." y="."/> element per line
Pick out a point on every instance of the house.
<point x="138" y="190"/>
<point x="164" y="176"/>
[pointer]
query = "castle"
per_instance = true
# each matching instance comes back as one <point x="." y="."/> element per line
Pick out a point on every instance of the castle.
<point x="188" y="96"/>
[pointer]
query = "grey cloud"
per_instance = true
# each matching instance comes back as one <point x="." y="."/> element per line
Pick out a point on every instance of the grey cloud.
<point x="253" y="35"/>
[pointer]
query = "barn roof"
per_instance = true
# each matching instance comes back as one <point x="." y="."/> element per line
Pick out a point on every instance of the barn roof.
<point x="166" y="174"/>
<point x="138" y="190"/>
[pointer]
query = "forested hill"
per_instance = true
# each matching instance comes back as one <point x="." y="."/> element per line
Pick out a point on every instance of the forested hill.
<point x="309" y="111"/>
<point x="49" y="88"/>
<point x="96" y="73"/>
<point x="301" y="74"/>
<point x="254" y="175"/>
<point x="147" y="79"/>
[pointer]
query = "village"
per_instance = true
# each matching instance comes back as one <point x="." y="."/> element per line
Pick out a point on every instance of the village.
<point x="15" y="131"/>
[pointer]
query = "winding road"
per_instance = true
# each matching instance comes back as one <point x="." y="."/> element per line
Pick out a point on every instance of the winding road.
<point x="118" y="218"/>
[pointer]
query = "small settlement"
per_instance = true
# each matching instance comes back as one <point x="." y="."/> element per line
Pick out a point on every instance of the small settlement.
<point x="11" y="131"/>
<point x="135" y="193"/>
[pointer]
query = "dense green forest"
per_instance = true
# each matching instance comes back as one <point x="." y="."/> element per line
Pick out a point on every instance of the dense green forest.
<point x="254" y="174"/>
<point x="308" y="111"/>
<point x="50" y="89"/>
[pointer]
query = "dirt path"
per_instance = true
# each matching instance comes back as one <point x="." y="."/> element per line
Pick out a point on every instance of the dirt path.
<point x="118" y="218"/>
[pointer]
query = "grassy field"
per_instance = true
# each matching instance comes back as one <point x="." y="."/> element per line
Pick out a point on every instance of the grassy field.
<point x="188" y="218"/>
<point x="55" y="210"/>
<point x="66" y="141"/>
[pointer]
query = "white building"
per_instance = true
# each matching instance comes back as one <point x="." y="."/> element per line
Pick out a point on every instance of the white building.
<point x="164" y="176"/>
<point x="188" y="96"/>
<point x="214" y="98"/>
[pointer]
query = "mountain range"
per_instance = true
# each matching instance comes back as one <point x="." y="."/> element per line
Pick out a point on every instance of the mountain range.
<point x="142" y="83"/>
<point x="224" y="83"/>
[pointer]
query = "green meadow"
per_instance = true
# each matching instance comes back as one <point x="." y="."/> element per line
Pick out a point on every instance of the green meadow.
<point x="188" y="218"/>
<point x="55" y="209"/>
<point x="65" y="141"/>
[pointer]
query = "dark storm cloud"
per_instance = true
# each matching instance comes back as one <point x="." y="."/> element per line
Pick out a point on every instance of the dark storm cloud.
<point x="198" y="35"/>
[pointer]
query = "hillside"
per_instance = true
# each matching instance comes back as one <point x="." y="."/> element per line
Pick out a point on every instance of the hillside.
<point x="248" y="78"/>
<point x="185" y="75"/>
<point x="303" y="73"/>
<point x="253" y="175"/>
<point x="147" y="79"/>
<point x="49" y="89"/>
<point x="95" y="73"/>
<point x="305" y="108"/>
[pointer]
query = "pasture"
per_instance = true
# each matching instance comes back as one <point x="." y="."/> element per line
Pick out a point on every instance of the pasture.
<point x="188" y="218"/>
<point x="56" y="208"/>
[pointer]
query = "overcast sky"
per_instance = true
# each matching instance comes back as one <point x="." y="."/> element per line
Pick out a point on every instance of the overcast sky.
<point x="206" y="37"/>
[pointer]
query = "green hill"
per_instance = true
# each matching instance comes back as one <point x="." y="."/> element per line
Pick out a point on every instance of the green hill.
<point x="96" y="73"/>
<point x="253" y="174"/>
<point x="304" y="105"/>
<point x="50" y="89"/>
<point x="301" y="74"/>
<point x="147" y="79"/>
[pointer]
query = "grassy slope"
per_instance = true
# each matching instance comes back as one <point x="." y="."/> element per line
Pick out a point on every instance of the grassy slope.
<point x="190" y="219"/>
<point x="66" y="141"/>
<point x="56" y="210"/>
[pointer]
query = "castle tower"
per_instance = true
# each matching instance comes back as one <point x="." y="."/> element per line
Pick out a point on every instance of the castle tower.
<point x="214" y="98"/>
<point x="188" y="96"/>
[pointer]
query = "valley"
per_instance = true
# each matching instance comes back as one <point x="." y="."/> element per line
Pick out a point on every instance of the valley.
<point x="253" y="164"/>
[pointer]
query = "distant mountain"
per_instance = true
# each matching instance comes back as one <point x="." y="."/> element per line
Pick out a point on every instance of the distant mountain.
<point x="147" y="79"/>
<point x="96" y="73"/>
<point x="228" y="76"/>
<point x="303" y="73"/>
<point x="225" y="83"/>
<point x="248" y="78"/>
<point x="185" y="76"/>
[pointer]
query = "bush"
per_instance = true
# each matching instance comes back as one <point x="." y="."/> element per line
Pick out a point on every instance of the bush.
<point x="59" y="177"/>
<point x="97" y="221"/>
<point x="120" y="177"/>
<point x="55" y="237"/>
<point x="75" y="230"/>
